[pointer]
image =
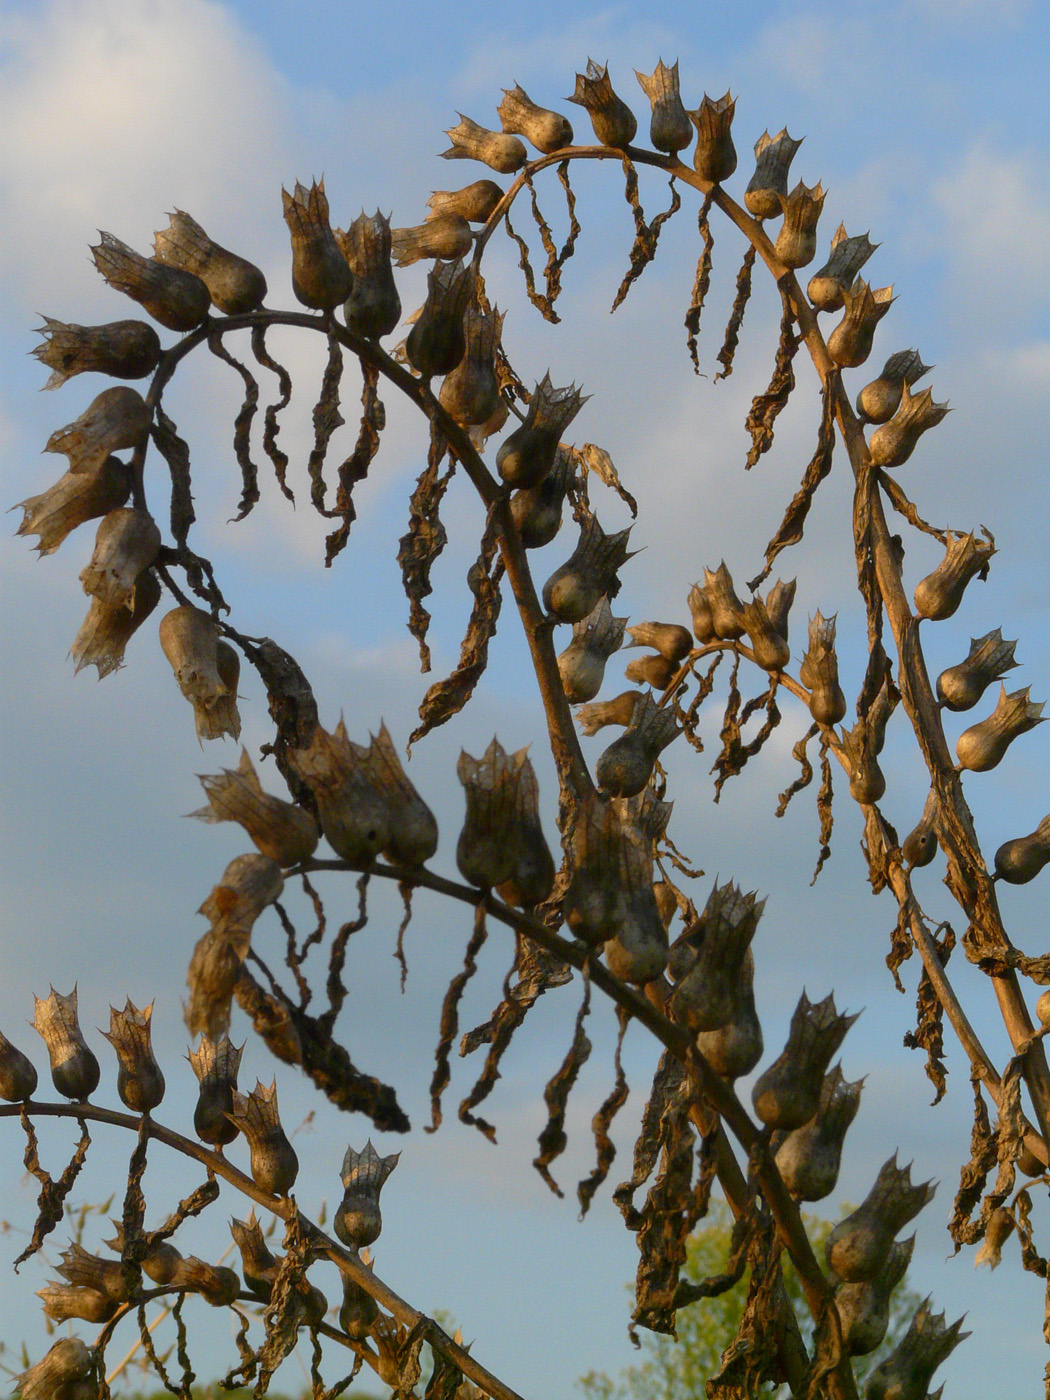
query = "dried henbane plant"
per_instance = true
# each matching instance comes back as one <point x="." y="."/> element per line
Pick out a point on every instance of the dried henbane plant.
<point x="601" y="914"/>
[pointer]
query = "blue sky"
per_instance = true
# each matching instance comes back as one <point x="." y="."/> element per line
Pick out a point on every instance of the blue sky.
<point x="927" y="124"/>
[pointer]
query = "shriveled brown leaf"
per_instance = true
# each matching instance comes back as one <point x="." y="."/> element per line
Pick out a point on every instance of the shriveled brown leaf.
<point x="271" y="426"/>
<point x="701" y="282"/>
<point x="242" y="426"/>
<point x="766" y="407"/>
<point x="646" y="235"/>
<point x="553" y="1139"/>
<point x="736" y="316"/>
<point x="420" y="547"/>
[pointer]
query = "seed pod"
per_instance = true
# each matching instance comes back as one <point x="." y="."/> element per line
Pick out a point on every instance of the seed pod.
<point x="235" y="285"/>
<point x="574" y="590"/>
<point x="864" y="1308"/>
<point x="74" y="1070"/>
<point x="706" y="962"/>
<point x="177" y="300"/>
<point x="285" y="833"/>
<point x="470" y="394"/>
<point x="796" y="243"/>
<point x="787" y="1094"/>
<point x="354" y="815"/>
<point x="809" y="1157"/>
<point x="359" y="1309"/>
<point x="485" y="850"/>
<point x="215" y="1063"/>
<point x="668" y="638"/>
<point x="637" y="953"/>
<point x="820" y="672"/>
<point x="666" y="901"/>
<point x="18" y="1079"/>
<point x="126" y="544"/>
<point x="493" y="148"/>
<point x="920" y="845"/>
<point x="105" y="632"/>
<point x="983" y="745"/>
<point x="595" y="902"/>
<point x="84" y="1270"/>
<point x="734" y="1049"/>
<point x="160" y="1264"/>
<point x="1021" y="859"/>
<point x="582" y="663"/>
<point x="939" y="594"/>
<point x="961" y="687"/>
<point x="626" y="766"/>
<point x="863" y="744"/>
<point x="412" y="833"/>
<point x="206" y="669"/>
<point x="258" y="1265"/>
<point x="655" y="671"/>
<point x="249" y="884"/>
<point x="714" y="156"/>
<point x="53" y="1377"/>
<point x="373" y="307"/>
<point x="321" y="276"/>
<point x="768" y="642"/>
<point x="475" y="202"/>
<point x="446" y="236"/>
<point x="116" y="418"/>
<point x="215" y="1283"/>
<point x="858" y="1247"/>
<point x="274" y="1163"/>
<point x="670" y="129"/>
<point x="906" y="1374"/>
<point x="532" y="877"/>
<point x="527" y="455"/>
<point x="518" y="114"/>
<point x="358" y="1219"/>
<point x="619" y="710"/>
<point x="73" y="499"/>
<point x="140" y="1083"/>
<point x="773" y="157"/>
<point x="726" y="608"/>
<point x="702" y="614"/>
<point x="64" y="1303"/>
<point x="537" y="511"/>
<point x="121" y="349"/>
<point x="878" y="401"/>
<point x="613" y="121"/>
<point x="849" y="344"/>
<point x="828" y="288"/>
<point x="438" y="341"/>
<point x="893" y="443"/>
<point x="998" y="1229"/>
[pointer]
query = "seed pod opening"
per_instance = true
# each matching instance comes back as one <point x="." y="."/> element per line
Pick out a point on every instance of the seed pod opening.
<point x="518" y="114"/>
<point x="637" y="951"/>
<point x="527" y="455"/>
<point x="707" y="961"/>
<point x="249" y="885"/>
<point x="445" y="236"/>
<point x="140" y="1082"/>
<point x="787" y="1094"/>
<point x="532" y="875"/>
<point x="175" y="299"/>
<point x="909" y="1370"/>
<point x="828" y="288"/>
<point x="726" y="608"/>
<point x="65" y="1303"/>
<point x="373" y="307"/>
<point x="470" y="141"/>
<point x="819" y="671"/>
<point x="714" y="156"/>
<point x="273" y="1159"/>
<point x="613" y="121"/>
<point x="205" y="667"/>
<point x="121" y="349"/>
<point x="670" y="129"/>
<point x="75" y="1072"/>
<point x="235" y="285"/>
<point x="258" y="1265"/>
<point x="486" y="850"/>
<point x="321" y="277"/>
<point x="768" y="633"/>
<point x="215" y="1283"/>
<point x="796" y="243"/>
<point x="354" y="813"/>
<point x="672" y="641"/>
<point x="773" y="157"/>
<point x="358" y="1219"/>
<point x="84" y="1270"/>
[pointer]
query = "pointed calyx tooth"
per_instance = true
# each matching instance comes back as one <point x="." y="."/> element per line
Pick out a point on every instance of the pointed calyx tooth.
<point x="176" y="299"/>
<point x="726" y="608"/>
<point x="599" y="713"/>
<point x="438" y="339"/>
<point x="961" y="687"/>
<point x="878" y="401"/>
<point x="670" y="129"/>
<point x="373" y="307"/>
<point x="126" y="544"/>
<point x="582" y="664"/>
<point x="809" y="1157"/>
<point x="475" y="202"/>
<point x="18" y="1078"/>
<point x="849" y="344"/>
<point x="909" y="1369"/>
<point x="714" y="155"/>
<point x="235" y="285"/>
<point x="321" y="276"/>
<point x="796" y="244"/>
<point x="864" y="1308"/>
<point x="75" y="1072"/>
<point x="73" y="499"/>
<point x="626" y="766"/>
<point x="983" y="745"/>
<point x="502" y="152"/>
<point x="858" y="1247"/>
<point x="282" y="831"/>
<point x="520" y="116"/>
<point x="358" y="1218"/>
<point x="706" y="962"/>
<point x="668" y="638"/>
<point x="773" y="157"/>
<point x="140" y="1082"/>
<point x="939" y="594"/>
<point x="121" y="349"/>
<point x="106" y="631"/>
<point x="441" y="236"/>
<point x="827" y="288"/>
<point x="1021" y="859"/>
<point x="83" y="1270"/>
<point x="412" y="833"/>
<point x="787" y="1094"/>
<point x="115" y="419"/>
<point x="273" y="1160"/>
<point x="613" y="121"/>
<point x="819" y="672"/>
<point x="258" y="1265"/>
<point x="574" y="590"/>
<point x="215" y="1063"/>
<point x="470" y="393"/>
<point x="527" y="455"/>
<point x="893" y="443"/>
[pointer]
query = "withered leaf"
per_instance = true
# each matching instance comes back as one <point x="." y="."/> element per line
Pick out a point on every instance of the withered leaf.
<point x="605" y="1150"/>
<point x="928" y="1034"/>
<point x="199" y="573"/>
<point x="271" y="426"/>
<point x="701" y="282"/>
<point x="284" y="1312"/>
<point x="805" y="777"/>
<point x="903" y="506"/>
<point x="735" y="751"/>
<point x="355" y="468"/>
<point x="736" y="316"/>
<point x="540" y="300"/>
<point x="553" y="1139"/>
<point x="974" y="1174"/>
<point x="552" y="272"/>
<point x="668" y="1081"/>
<point x="424" y="541"/>
<point x="52" y="1196"/>
<point x="646" y="236"/>
<point x="450" y="1017"/>
<point x="598" y="461"/>
<point x="327" y="419"/>
<point x="766" y="407"/>
<point x="242" y="425"/>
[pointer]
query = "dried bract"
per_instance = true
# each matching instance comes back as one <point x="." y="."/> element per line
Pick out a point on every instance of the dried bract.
<point x="475" y="202"/>
<point x="273" y="1160"/>
<point x="613" y="121"/>
<point x="75" y="1072"/>
<point x="493" y="148"/>
<point x="849" y="344"/>
<point x="18" y="1078"/>
<point x="282" y="831"/>
<point x="626" y="766"/>
<point x="73" y="499"/>
<point x="470" y="394"/>
<point x="140" y="1083"/>
<point x="827" y="288"/>
<point x="582" y="663"/>
<point x="358" y="1219"/>
<point x="796" y="243"/>
<point x="702" y="614"/>
<point x="961" y="687"/>
<point x="121" y="349"/>
<point x="983" y="745"/>
<point x="235" y="285"/>
<point x="858" y="1247"/>
<point x="527" y="455"/>
<point x="819" y="672"/>
<point x="518" y="114"/>
<point x="809" y="1157"/>
<point x="106" y="631"/>
<point x="116" y="418"/>
<point x="893" y="443"/>
<point x="445" y="236"/>
<point x="670" y="129"/>
<point x="939" y="594"/>
<point x="787" y="1094"/>
<point x="768" y="637"/>
<point x="907" y="1372"/>
<point x="706" y="962"/>
<point x="373" y="307"/>
<point x="878" y="401"/>
<point x="176" y="299"/>
<point x="215" y="1063"/>
<point x="1021" y="859"/>
<point x="321" y="277"/>
<point x="714" y="156"/>
<point x="590" y="572"/>
<point x="126" y="544"/>
<point x="438" y="339"/>
<point x="258" y="1265"/>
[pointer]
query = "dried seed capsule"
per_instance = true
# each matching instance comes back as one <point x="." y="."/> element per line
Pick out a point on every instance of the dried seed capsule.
<point x="64" y="1303"/>
<point x="849" y="344"/>
<point x="668" y="638"/>
<point x="235" y="285"/>
<point x="493" y="148"/>
<point x="518" y="114"/>
<point x="863" y="743"/>
<point x="84" y="1270"/>
<point x="787" y="1094"/>
<point x="619" y="710"/>
<point x="773" y="157"/>
<point x="961" y="687"/>
<point x="858" y="1247"/>
<point x="893" y="443"/>
<point x="906" y="1374"/>
<point x="595" y="903"/>
<point x="285" y="833"/>
<point x="864" y="1308"/>
<point x="126" y="544"/>
<point x="358" y="1219"/>
<point x="714" y="156"/>
<point x="485" y="851"/>
<point x="52" y="1378"/>
<point x="820" y="672"/>
<point x="121" y="349"/>
<point x="215" y="1283"/>
<point x="726" y="608"/>
<point x="354" y="814"/>
<point x="75" y="1072"/>
<point x="75" y="498"/>
<point x="115" y="419"/>
<point x="358" y="1310"/>
<point x="470" y="394"/>
<point x="809" y="1157"/>
<point x="983" y="745"/>
<point x="702" y="614"/>
<point x="1021" y="859"/>
<point x="412" y="833"/>
<point x="537" y="511"/>
<point x="582" y="663"/>
<point x="177" y="300"/>
<point x="373" y="307"/>
<point x="573" y="591"/>
<point x="670" y="129"/>
<point x="532" y="877"/>
<point x="1000" y="1226"/>
<point x="321" y="276"/>
<point x="140" y="1083"/>
<point x="446" y="236"/>
<point x="655" y="671"/>
<point x="161" y="1262"/>
<point x="205" y="667"/>
<point x="796" y="243"/>
<point x="734" y="1049"/>
<point x="613" y="121"/>
<point x="828" y="288"/>
<point x="527" y="455"/>
<point x="18" y="1079"/>
<point x="475" y="202"/>
<point x="626" y="766"/>
<point x="920" y="845"/>
<point x="706" y="962"/>
<point x="258" y="1265"/>
<point x="939" y="594"/>
<point x="215" y="1063"/>
<point x="766" y="626"/>
<point x="878" y="401"/>
<point x="105" y="632"/>
<point x="438" y="340"/>
<point x="274" y="1162"/>
<point x="637" y="952"/>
